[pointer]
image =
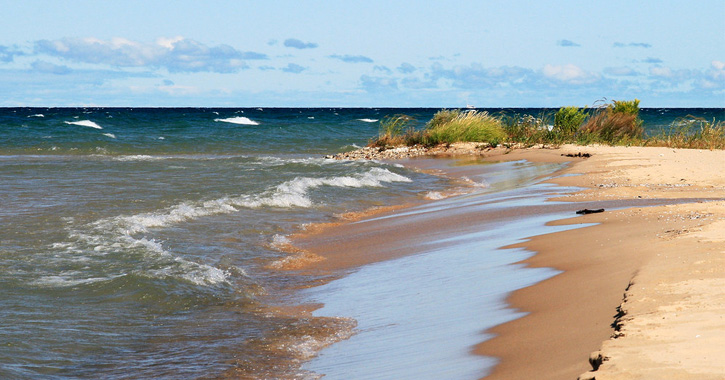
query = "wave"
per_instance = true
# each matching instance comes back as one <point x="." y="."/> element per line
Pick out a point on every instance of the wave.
<point x="368" y="120"/>
<point x="111" y="135"/>
<point x="238" y="120"/>
<point x="94" y="242"/>
<point x="85" y="123"/>
<point x="37" y="115"/>
<point x="97" y="245"/>
<point x="293" y="193"/>
<point x="140" y="157"/>
<point x="68" y="279"/>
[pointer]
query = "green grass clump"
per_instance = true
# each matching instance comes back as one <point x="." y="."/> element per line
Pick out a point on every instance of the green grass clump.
<point x="394" y="130"/>
<point x="693" y="133"/>
<point x="616" y="123"/>
<point x="528" y="130"/>
<point x="449" y="126"/>
<point x="568" y="120"/>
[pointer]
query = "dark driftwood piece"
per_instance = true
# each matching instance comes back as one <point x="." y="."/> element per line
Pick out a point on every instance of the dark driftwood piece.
<point x="580" y="154"/>
<point x="588" y="211"/>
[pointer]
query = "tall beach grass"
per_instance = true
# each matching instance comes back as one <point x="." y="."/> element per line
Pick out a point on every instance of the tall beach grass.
<point x="449" y="126"/>
<point x="611" y="123"/>
<point x="691" y="132"/>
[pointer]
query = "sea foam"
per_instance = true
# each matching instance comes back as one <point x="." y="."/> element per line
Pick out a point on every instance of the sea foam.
<point x="85" y="123"/>
<point x="368" y="120"/>
<point x="238" y="120"/>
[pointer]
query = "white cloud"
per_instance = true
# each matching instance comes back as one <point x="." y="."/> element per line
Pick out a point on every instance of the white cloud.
<point x="176" y="90"/>
<point x="297" y="44"/>
<point x="8" y="54"/>
<point x="569" y="73"/>
<point x="294" y="68"/>
<point x="621" y="71"/>
<point x="176" y="54"/>
<point x="406" y="68"/>
<point x="378" y="84"/>
<point x="659" y="71"/>
<point x="476" y="75"/>
<point x="352" y="58"/>
<point x="50" y="68"/>
<point x="169" y="42"/>
<point x="718" y="65"/>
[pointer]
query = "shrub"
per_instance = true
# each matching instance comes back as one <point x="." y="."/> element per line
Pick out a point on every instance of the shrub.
<point x="630" y="107"/>
<point x="568" y="120"/>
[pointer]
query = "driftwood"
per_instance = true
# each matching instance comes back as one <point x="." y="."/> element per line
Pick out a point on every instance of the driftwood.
<point x="588" y="211"/>
<point x="580" y="154"/>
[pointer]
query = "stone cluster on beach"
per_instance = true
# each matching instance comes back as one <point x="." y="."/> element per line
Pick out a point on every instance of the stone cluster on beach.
<point x="402" y="152"/>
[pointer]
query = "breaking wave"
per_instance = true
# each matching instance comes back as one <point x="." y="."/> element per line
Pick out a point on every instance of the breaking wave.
<point x="238" y="120"/>
<point x="85" y="123"/>
<point x="292" y="193"/>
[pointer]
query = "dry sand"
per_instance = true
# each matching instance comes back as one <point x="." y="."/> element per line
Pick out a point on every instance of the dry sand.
<point x="673" y="325"/>
<point x="673" y="256"/>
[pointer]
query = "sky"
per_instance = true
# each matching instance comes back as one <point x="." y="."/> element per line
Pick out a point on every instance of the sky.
<point x="388" y="53"/>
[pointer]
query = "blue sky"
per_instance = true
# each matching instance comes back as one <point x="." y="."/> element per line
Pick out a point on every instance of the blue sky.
<point x="388" y="53"/>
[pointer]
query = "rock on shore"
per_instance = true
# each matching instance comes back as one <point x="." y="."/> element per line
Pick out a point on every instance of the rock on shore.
<point x="401" y="152"/>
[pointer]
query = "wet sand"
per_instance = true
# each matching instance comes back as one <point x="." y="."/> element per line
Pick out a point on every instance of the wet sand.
<point x="569" y="315"/>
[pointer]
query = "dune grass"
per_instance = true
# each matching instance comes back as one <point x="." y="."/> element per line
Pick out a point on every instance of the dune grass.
<point x="693" y="133"/>
<point x="615" y="123"/>
<point x="530" y="130"/>
<point x="449" y="126"/>
<point x="393" y="131"/>
<point x="446" y="127"/>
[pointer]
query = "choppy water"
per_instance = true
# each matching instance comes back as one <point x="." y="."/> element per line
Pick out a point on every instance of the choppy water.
<point x="137" y="243"/>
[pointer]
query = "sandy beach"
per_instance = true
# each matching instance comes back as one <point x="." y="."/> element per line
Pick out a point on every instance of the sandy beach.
<point x="661" y="266"/>
<point x="640" y="286"/>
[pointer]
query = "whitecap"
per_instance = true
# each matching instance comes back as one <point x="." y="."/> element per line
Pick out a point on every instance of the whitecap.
<point x="67" y="280"/>
<point x="139" y="157"/>
<point x="368" y="120"/>
<point x="292" y="193"/>
<point x="37" y="115"/>
<point x="238" y="120"/>
<point x="111" y="135"/>
<point x="198" y="274"/>
<point x="434" y="195"/>
<point x="85" y="123"/>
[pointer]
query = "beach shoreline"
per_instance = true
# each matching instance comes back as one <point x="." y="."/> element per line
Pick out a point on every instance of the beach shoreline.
<point x="572" y="314"/>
